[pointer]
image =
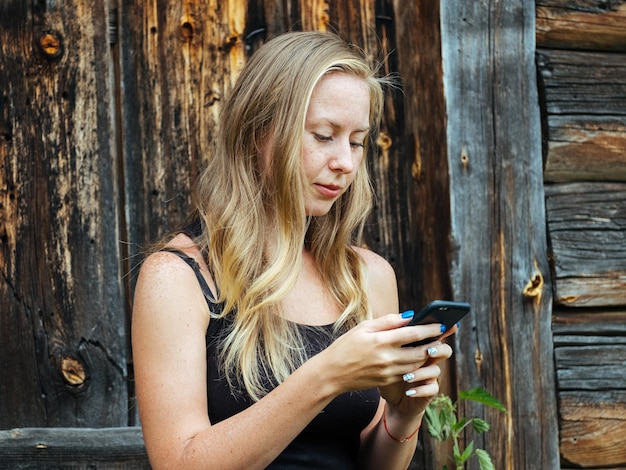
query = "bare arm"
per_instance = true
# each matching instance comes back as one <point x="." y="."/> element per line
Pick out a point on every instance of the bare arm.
<point x="170" y="318"/>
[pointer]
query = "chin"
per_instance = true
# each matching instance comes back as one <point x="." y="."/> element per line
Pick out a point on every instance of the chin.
<point x="318" y="211"/>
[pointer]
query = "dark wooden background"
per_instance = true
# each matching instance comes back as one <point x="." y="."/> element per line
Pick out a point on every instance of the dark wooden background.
<point x="500" y="179"/>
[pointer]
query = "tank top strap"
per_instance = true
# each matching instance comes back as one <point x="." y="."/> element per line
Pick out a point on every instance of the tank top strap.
<point x="214" y="307"/>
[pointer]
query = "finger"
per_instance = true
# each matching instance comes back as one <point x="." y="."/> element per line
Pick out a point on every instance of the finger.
<point x="399" y="336"/>
<point x="422" y="374"/>
<point x="426" y="389"/>
<point x="450" y="332"/>
<point x="439" y="350"/>
<point x="420" y="333"/>
<point x="391" y="321"/>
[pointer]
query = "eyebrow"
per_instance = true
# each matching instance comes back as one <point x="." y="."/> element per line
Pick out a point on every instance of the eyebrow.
<point x="335" y="125"/>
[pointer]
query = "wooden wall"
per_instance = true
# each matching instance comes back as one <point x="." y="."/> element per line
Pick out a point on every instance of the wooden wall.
<point x="107" y="114"/>
<point x="63" y="342"/>
<point x="499" y="259"/>
<point x="107" y="111"/>
<point x="581" y="58"/>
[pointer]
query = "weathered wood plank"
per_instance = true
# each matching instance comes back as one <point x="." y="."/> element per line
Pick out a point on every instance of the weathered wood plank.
<point x="586" y="148"/>
<point x="587" y="322"/>
<point x="62" y="344"/>
<point x="586" y="123"/>
<point x="499" y="257"/>
<point x="593" y="424"/>
<point x="591" y="363"/>
<point x="178" y="61"/>
<point x="587" y="229"/>
<point x="411" y="168"/>
<point x="581" y="24"/>
<point x="77" y="448"/>
<point x="583" y="83"/>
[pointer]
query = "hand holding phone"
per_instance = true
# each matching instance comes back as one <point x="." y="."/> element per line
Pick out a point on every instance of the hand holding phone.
<point x="445" y="312"/>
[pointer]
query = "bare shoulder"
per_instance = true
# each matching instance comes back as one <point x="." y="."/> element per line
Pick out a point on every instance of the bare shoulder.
<point x="375" y="262"/>
<point x="168" y="332"/>
<point x="382" y="287"/>
<point x="165" y="281"/>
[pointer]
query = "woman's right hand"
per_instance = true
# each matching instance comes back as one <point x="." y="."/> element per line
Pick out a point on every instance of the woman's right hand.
<point x="371" y="354"/>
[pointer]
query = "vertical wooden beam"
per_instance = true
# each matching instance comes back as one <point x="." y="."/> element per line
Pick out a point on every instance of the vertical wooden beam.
<point x="62" y="342"/>
<point x="179" y="61"/>
<point x="417" y="127"/>
<point x="499" y="259"/>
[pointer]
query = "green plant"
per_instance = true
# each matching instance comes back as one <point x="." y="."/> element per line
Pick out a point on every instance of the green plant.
<point x="443" y="424"/>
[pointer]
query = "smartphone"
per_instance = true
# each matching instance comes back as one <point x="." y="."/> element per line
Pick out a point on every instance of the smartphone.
<point x="439" y="311"/>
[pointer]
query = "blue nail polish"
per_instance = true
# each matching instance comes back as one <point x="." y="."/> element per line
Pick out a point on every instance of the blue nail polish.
<point x="408" y="314"/>
<point x="443" y="328"/>
<point x="458" y="325"/>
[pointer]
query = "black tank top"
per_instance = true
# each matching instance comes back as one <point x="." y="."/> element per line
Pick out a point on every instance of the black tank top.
<point x="331" y="440"/>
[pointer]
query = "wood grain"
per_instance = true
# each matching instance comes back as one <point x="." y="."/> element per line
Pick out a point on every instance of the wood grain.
<point x="584" y="102"/>
<point x="498" y="249"/>
<point x="64" y="353"/>
<point x="587" y="230"/>
<point x="581" y="24"/>
<point x="120" y="448"/>
<point x="593" y="424"/>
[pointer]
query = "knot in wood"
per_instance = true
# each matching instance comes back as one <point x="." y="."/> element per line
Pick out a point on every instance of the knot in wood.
<point x="478" y="359"/>
<point x="464" y="158"/>
<point x="51" y="45"/>
<point x="383" y="141"/>
<point x="534" y="286"/>
<point x="187" y="31"/>
<point x="230" y="42"/>
<point x="416" y="168"/>
<point x="73" y="371"/>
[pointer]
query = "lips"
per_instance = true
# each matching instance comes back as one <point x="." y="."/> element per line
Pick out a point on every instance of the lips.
<point x="329" y="190"/>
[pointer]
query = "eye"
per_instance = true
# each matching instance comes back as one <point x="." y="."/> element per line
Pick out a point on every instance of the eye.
<point x="357" y="145"/>
<point x="323" y="138"/>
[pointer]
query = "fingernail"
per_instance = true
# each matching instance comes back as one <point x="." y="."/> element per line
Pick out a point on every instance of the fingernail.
<point x="431" y="351"/>
<point x="410" y="393"/>
<point x="408" y="377"/>
<point x="408" y="314"/>
<point x="443" y="328"/>
<point x="458" y="325"/>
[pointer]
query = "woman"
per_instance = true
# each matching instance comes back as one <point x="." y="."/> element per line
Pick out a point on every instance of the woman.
<point x="263" y="336"/>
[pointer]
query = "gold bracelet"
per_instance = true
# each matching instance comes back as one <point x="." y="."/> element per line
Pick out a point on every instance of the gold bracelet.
<point x="401" y="441"/>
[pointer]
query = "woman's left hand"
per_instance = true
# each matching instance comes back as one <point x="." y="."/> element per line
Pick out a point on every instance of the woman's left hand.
<point x="412" y="393"/>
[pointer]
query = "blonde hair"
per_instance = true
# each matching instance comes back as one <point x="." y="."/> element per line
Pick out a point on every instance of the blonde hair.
<point x="244" y="206"/>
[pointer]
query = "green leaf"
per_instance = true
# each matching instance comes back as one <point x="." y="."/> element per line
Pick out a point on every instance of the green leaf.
<point x="484" y="460"/>
<point x="447" y="419"/>
<point x="481" y="395"/>
<point x="467" y="453"/>
<point x="458" y="426"/>
<point x="480" y="425"/>
<point x="444" y="402"/>
<point x="434" y="423"/>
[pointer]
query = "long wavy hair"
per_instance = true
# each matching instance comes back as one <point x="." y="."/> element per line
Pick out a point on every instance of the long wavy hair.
<point x="246" y="208"/>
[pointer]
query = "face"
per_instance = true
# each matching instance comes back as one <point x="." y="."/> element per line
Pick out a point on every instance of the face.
<point x="335" y="130"/>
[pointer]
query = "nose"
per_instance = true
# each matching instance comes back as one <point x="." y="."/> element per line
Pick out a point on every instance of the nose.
<point x="342" y="158"/>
